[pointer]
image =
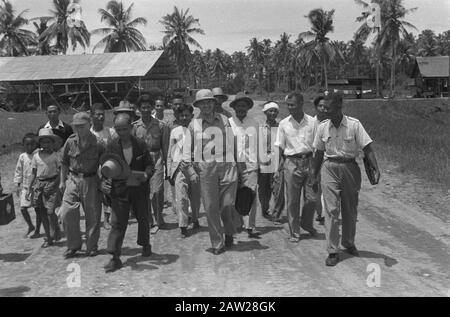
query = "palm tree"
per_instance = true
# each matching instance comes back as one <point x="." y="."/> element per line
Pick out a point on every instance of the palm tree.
<point x="256" y="55"/>
<point x="427" y="42"/>
<point x="60" y="31"/>
<point x="218" y="66"/>
<point x="407" y="52"/>
<point x="394" y="28"/>
<point x="43" y="47"/>
<point x="180" y="26"/>
<point x="282" y="56"/>
<point x="320" y="46"/>
<point x="15" y="41"/>
<point x="356" y="51"/>
<point x="121" y="33"/>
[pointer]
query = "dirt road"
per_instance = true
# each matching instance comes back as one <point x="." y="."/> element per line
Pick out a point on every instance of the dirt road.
<point x="403" y="230"/>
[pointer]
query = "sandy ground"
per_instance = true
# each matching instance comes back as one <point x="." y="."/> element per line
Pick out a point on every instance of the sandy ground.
<point x="403" y="229"/>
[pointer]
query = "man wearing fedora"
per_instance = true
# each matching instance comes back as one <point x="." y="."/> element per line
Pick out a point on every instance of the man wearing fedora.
<point x="153" y="132"/>
<point x="295" y="137"/>
<point x="246" y="130"/>
<point x="270" y="178"/>
<point x="80" y="185"/>
<point x="213" y="152"/>
<point x="221" y="98"/>
<point x="125" y="156"/>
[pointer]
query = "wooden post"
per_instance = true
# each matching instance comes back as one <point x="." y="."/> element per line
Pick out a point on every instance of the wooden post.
<point x="90" y="93"/>
<point x="139" y="86"/>
<point x="40" y="96"/>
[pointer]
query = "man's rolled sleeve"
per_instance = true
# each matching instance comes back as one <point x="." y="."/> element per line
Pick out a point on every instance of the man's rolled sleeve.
<point x="280" y="140"/>
<point x="362" y="137"/>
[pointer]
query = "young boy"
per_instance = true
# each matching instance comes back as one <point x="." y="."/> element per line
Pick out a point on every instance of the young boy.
<point x="45" y="184"/>
<point x="103" y="134"/>
<point x="22" y="176"/>
<point x="181" y="171"/>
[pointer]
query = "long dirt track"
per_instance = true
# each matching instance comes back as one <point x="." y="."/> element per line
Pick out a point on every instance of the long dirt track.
<point x="403" y="228"/>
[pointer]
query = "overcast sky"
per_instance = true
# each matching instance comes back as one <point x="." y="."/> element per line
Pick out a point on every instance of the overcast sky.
<point x="230" y="24"/>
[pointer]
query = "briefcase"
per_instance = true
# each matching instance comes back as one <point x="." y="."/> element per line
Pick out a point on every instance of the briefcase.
<point x="244" y="200"/>
<point x="370" y="171"/>
<point x="7" y="213"/>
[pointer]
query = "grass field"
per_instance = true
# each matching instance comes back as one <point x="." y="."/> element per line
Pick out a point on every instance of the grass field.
<point x="413" y="134"/>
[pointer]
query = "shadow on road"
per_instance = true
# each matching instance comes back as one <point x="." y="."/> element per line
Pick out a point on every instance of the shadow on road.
<point x="244" y="246"/>
<point x="139" y="263"/>
<point x="307" y="236"/>
<point x="266" y="230"/>
<point x="14" y="291"/>
<point x="14" y="257"/>
<point x="388" y="261"/>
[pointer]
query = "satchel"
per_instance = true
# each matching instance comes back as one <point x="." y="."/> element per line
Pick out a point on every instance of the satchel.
<point x="244" y="200"/>
<point x="7" y="213"/>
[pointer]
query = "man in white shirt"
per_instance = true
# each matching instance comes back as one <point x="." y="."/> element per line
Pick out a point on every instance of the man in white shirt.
<point x="245" y="130"/>
<point x="339" y="140"/>
<point x="295" y="139"/>
<point x="60" y="128"/>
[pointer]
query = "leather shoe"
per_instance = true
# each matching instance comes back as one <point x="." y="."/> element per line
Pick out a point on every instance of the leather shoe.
<point x="218" y="251"/>
<point x="92" y="253"/>
<point x="146" y="251"/>
<point x="70" y="253"/>
<point x="294" y="239"/>
<point x="113" y="265"/>
<point x="352" y="250"/>
<point x="253" y="234"/>
<point x="332" y="259"/>
<point x="47" y="243"/>
<point x="196" y="225"/>
<point x="229" y="241"/>
<point x="183" y="233"/>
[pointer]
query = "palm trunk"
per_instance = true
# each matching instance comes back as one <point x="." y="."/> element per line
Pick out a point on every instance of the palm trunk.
<point x="325" y="73"/>
<point x="377" y="70"/>
<point x="393" y="72"/>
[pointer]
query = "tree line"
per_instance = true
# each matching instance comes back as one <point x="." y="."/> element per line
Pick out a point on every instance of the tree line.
<point x="308" y="59"/>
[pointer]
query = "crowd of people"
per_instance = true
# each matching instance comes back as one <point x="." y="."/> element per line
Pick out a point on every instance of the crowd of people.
<point x="206" y="159"/>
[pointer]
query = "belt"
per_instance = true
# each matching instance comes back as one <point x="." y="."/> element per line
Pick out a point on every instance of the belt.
<point x="83" y="175"/>
<point x="48" y="179"/>
<point x="341" y="159"/>
<point x="301" y="156"/>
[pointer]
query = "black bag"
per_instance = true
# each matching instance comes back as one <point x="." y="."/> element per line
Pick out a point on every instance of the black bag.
<point x="244" y="200"/>
<point x="370" y="171"/>
<point x="7" y="213"/>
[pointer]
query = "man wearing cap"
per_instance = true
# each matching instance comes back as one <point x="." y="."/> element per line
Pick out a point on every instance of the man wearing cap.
<point x="213" y="152"/>
<point x="79" y="183"/>
<point x="270" y="178"/>
<point x="59" y="128"/>
<point x="221" y="98"/>
<point x="295" y="138"/>
<point x="153" y="132"/>
<point x="339" y="139"/>
<point x="246" y="130"/>
<point x="124" y="155"/>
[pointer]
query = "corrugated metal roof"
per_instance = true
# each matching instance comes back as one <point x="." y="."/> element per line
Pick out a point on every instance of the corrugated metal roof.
<point x="65" y="67"/>
<point x="435" y="66"/>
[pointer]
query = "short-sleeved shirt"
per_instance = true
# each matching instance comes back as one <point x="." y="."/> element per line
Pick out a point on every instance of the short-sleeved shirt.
<point x="80" y="159"/>
<point x="152" y="133"/>
<point x="46" y="165"/>
<point x="295" y="137"/>
<point x="343" y="142"/>
<point x="246" y="133"/>
<point x="209" y="130"/>
<point x="268" y="135"/>
<point x="103" y="135"/>
<point x="22" y="174"/>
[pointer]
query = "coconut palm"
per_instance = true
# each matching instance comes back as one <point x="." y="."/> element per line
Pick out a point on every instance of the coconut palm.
<point x="15" y="41"/>
<point x="282" y="59"/>
<point x="43" y="47"/>
<point x="121" y="32"/>
<point x="427" y="42"/>
<point x="356" y="51"/>
<point x="320" y="47"/>
<point x="180" y="27"/>
<point x="61" y="32"/>
<point x="394" y="28"/>
<point x="256" y="54"/>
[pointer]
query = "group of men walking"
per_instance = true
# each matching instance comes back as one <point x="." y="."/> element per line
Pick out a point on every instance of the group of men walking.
<point x="208" y="159"/>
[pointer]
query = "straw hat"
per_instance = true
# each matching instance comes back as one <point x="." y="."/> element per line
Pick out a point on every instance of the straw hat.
<point x="242" y="97"/>
<point x="124" y="106"/>
<point x="114" y="167"/>
<point x="203" y="94"/>
<point x="48" y="133"/>
<point x="218" y="93"/>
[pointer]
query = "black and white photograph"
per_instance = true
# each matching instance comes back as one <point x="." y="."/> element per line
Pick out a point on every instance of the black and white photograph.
<point x="225" y="155"/>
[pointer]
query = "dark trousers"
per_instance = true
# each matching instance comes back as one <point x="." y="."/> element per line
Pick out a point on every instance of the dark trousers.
<point x="137" y="199"/>
<point x="271" y="193"/>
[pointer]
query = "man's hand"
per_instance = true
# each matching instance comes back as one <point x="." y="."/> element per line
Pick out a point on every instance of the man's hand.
<point x="377" y="175"/>
<point x="194" y="178"/>
<point x="106" y="186"/>
<point x="28" y="194"/>
<point x="17" y="190"/>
